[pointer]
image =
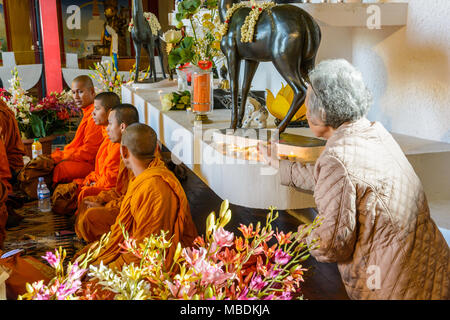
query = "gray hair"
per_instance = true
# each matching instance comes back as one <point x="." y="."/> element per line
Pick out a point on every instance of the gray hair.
<point x="339" y="94"/>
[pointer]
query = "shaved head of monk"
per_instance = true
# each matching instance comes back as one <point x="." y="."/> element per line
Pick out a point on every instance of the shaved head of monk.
<point x="138" y="147"/>
<point x="103" y="104"/>
<point x="120" y="117"/>
<point x="83" y="91"/>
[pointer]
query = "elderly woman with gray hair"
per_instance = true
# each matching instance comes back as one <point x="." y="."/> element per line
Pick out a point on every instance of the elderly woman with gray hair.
<point x="376" y="220"/>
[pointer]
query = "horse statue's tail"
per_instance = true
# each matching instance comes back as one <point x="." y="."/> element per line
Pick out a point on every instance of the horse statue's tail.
<point x="312" y="42"/>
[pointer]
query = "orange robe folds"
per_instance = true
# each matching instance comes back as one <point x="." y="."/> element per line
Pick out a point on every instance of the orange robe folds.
<point x="92" y="223"/>
<point x="10" y="135"/>
<point x="3" y="211"/>
<point x="5" y="189"/>
<point x="5" y="173"/>
<point x="155" y="201"/>
<point x="24" y="270"/>
<point x="106" y="170"/>
<point x="77" y="159"/>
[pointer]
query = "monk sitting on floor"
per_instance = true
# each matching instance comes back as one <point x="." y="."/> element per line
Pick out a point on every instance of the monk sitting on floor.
<point x="3" y="210"/>
<point x="77" y="159"/>
<point x="104" y="177"/>
<point x="96" y="214"/>
<point x="13" y="161"/>
<point x="5" y="189"/>
<point x="10" y="135"/>
<point x="155" y="200"/>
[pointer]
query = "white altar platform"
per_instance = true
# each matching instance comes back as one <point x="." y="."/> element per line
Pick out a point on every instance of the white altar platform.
<point x="243" y="182"/>
<point x="249" y="183"/>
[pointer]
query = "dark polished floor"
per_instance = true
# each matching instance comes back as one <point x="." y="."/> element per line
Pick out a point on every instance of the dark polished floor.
<point x="322" y="280"/>
<point x="38" y="233"/>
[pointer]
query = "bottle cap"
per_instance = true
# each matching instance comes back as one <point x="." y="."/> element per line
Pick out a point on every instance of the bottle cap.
<point x="41" y="179"/>
<point x="36" y="139"/>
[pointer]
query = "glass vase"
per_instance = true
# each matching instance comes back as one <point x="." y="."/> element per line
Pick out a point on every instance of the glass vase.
<point x="202" y="102"/>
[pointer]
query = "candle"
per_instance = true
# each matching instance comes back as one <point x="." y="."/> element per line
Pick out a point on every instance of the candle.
<point x="160" y="96"/>
<point x="292" y="156"/>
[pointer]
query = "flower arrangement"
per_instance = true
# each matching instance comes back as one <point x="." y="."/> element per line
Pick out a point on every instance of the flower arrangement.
<point x="202" y="43"/>
<point x="110" y="79"/>
<point x="21" y="104"/>
<point x="176" y="101"/>
<point x="220" y="266"/>
<point x="65" y="285"/>
<point x="38" y="119"/>
<point x="108" y="76"/>
<point x="54" y="112"/>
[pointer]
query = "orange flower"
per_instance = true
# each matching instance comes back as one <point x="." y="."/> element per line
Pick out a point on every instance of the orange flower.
<point x="247" y="232"/>
<point x="283" y="238"/>
<point x="239" y="243"/>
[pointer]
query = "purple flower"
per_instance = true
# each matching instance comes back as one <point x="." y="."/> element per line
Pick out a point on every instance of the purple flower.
<point x="285" y="296"/>
<point x="281" y="257"/>
<point x="52" y="259"/>
<point x="274" y="272"/>
<point x="257" y="283"/>
<point x="243" y="295"/>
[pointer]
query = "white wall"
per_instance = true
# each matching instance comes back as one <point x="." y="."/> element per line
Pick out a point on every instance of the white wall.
<point x="407" y="69"/>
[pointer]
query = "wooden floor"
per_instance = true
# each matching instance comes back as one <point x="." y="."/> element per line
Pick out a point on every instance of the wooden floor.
<point x="37" y="234"/>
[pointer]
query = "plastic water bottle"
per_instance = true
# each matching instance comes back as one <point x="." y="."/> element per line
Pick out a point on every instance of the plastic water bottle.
<point x="43" y="194"/>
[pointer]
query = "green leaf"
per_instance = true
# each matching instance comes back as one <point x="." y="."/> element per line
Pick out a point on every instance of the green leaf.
<point x="37" y="126"/>
<point x="179" y="16"/>
<point x="174" y="59"/>
<point x="187" y="43"/>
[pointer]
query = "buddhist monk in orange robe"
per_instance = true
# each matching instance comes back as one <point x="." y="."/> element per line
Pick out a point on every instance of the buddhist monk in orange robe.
<point x="96" y="214"/>
<point x="3" y="211"/>
<point x="5" y="189"/>
<point x="155" y="201"/>
<point x="10" y="135"/>
<point x="107" y="161"/>
<point x="77" y="159"/>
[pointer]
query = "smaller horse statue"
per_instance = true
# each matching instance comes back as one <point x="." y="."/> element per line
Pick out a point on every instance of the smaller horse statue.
<point x="142" y="35"/>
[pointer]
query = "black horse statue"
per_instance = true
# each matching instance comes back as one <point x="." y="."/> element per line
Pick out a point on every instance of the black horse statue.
<point x="286" y="35"/>
<point x="142" y="36"/>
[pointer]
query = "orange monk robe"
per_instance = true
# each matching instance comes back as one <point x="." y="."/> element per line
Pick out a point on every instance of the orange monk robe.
<point x="155" y="201"/>
<point x="104" y="176"/>
<point x="79" y="155"/>
<point x="5" y="189"/>
<point x="24" y="270"/>
<point x="3" y="211"/>
<point x="10" y="135"/>
<point x="92" y="223"/>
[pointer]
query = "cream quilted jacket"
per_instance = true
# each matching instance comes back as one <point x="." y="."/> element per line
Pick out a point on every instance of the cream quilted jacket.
<point x="377" y="224"/>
